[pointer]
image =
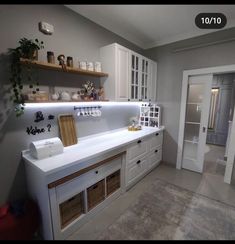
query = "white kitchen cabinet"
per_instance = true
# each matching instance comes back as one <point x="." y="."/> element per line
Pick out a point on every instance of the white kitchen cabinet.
<point x="156" y="140"/>
<point x="132" y="77"/>
<point x="135" y="169"/>
<point x="142" y="83"/>
<point x="135" y="71"/>
<point x="155" y="157"/>
<point x="65" y="186"/>
<point x="74" y="201"/>
<point x="142" y="156"/>
<point x="152" y="93"/>
<point x="155" y="149"/>
<point x="138" y="148"/>
<point x="115" y="59"/>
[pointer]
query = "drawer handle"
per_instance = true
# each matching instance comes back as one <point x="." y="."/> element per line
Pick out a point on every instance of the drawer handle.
<point x="157" y="134"/>
<point x="138" y="162"/>
<point x="96" y="171"/>
<point x="139" y="141"/>
<point x="94" y="187"/>
<point x="156" y="151"/>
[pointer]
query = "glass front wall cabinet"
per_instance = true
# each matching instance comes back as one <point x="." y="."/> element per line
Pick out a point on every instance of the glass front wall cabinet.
<point x="135" y="73"/>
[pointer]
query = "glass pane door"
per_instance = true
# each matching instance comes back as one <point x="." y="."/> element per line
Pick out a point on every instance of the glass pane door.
<point x="197" y="107"/>
<point x="192" y="122"/>
<point x="134" y="77"/>
<point x="144" y="79"/>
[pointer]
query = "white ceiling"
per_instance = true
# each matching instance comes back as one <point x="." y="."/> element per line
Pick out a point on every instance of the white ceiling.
<point x="153" y="25"/>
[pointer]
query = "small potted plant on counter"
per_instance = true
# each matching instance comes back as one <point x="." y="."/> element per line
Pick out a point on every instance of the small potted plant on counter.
<point x="27" y="49"/>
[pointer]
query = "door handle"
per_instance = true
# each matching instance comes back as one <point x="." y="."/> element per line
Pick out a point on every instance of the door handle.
<point x="203" y="129"/>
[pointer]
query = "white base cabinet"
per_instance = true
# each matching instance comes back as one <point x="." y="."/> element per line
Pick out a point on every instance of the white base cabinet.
<point x="142" y="156"/>
<point x="74" y="202"/>
<point x="70" y="196"/>
<point x="155" y="157"/>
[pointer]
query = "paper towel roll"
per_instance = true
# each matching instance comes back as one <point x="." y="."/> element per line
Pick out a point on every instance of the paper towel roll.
<point x="46" y="148"/>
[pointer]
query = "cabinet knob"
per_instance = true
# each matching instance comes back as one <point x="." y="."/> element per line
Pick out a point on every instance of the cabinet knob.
<point x="139" y="141"/>
<point x="96" y="171"/>
<point x="157" y="134"/>
<point x="156" y="151"/>
<point x="138" y="162"/>
<point x="128" y="99"/>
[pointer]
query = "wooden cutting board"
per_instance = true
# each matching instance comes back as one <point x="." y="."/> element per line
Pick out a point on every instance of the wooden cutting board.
<point x="67" y="129"/>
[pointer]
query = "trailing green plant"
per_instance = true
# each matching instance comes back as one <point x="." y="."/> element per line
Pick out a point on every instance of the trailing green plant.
<point x="26" y="49"/>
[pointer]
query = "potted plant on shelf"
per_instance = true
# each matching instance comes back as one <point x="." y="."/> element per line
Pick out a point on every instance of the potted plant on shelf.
<point x="88" y="88"/>
<point x="27" y="49"/>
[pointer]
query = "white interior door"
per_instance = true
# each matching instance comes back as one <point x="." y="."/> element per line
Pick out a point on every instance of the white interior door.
<point x="196" y="119"/>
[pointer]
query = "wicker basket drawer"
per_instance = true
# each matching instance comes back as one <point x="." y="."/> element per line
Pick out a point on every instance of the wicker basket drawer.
<point x="71" y="209"/>
<point x="95" y="194"/>
<point x="113" y="182"/>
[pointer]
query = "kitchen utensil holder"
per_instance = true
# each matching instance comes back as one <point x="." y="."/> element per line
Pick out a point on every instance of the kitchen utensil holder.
<point x="88" y="111"/>
<point x="79" y="107"/>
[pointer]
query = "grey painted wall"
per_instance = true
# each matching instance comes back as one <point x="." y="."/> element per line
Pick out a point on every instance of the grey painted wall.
<point x="78" y="37"/>
<point x="170" y="70"/>
<point x="74" y="36"/>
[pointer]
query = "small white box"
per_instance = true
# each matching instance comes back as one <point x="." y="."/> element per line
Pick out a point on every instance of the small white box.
<point x="46" y="148"/>
<point x="90" y="66"/>
<point x="83" y="65"/>
<point x="98" y="66"/>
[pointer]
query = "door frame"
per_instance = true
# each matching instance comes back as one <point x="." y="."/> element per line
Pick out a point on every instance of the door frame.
<point x="231" y="150"/>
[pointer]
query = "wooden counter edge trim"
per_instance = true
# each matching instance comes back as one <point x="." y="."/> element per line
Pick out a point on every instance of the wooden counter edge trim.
<point x="82" y="171"/>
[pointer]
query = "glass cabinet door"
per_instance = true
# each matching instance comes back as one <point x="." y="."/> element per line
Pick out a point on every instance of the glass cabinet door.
<point x="144" y="79"/>
<point x="135" y="62"/>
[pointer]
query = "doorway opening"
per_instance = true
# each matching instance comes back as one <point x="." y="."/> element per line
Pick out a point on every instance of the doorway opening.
<point x="219" y="123"/>
<point x="204" y="76"/>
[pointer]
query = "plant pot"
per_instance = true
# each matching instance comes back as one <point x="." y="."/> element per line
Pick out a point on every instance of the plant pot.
<point x="85" y="97"/>
<point x="32" y="54"/>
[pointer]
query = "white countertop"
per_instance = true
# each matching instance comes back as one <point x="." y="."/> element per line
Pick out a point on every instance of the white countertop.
<point x="87" y="148"/>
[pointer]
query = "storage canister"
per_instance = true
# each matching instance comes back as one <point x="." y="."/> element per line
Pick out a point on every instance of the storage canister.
<point x="50" y="57"/>
<point x="69" y="61"/>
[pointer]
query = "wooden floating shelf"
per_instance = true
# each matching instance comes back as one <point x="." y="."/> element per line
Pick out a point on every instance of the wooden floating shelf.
<point x="57" y="67"/>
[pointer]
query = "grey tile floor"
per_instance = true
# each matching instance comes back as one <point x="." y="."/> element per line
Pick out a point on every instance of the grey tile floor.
<point x="214" y="160"/>
<point x="169" y="212"/>
<point x="207" y="184"/>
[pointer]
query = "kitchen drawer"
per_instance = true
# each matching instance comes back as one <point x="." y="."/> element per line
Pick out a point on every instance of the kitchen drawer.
<point x="71" y="209"/>
<point x="156" y="140"/>
<point x="136" y="168"/>
<point x="70" y="188"/>
<point x="95" y="194"/>
<point x="155" y="157"/>
<point x="139" y="148"/>
<point x="113" y="182"/>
